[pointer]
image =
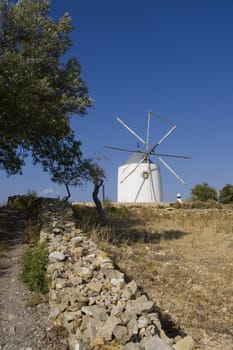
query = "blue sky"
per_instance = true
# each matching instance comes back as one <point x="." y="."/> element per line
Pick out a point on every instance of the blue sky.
<point x="173" y="57"/>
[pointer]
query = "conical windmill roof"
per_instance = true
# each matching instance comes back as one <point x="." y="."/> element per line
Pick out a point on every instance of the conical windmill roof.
<point x="136" y="158"/>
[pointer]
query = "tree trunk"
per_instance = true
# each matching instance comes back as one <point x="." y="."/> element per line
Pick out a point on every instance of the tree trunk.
<point x="68" y="192"/>
<point x="98" y="202"/>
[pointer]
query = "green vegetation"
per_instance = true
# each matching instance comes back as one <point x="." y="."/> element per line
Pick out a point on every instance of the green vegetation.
<point x="68" y="167"/>
<point x="203" y="192"/>
<point x="24" y="201"/>
<point x="86" y="218"/>
<point x="40" y="89"/>
<point x="226" y="194"/>
<point x="115" y="211"/>
<point x="33" y="268"/>
<point x="89" y="214"/>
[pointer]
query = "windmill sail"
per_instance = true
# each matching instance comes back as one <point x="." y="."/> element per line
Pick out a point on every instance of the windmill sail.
<point x="139" y="179"/>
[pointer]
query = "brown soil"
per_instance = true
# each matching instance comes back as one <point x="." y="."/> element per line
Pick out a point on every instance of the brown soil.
<point x="24" y="316"/>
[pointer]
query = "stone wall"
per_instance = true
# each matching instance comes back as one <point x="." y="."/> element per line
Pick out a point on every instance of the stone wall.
<point x="96" y="303"/>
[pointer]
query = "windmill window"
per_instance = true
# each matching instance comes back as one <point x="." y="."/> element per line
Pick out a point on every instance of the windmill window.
<point x="145" y="175"/>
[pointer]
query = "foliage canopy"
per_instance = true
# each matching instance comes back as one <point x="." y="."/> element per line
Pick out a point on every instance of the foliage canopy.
<point x="67" y="166"/>
<point x="39" y="90"/>
<point x="203" y="192"/>
<point x="226" y="194"/>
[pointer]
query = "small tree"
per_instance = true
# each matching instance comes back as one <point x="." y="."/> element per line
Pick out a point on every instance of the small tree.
<point x="203" y="192"/>
<point x="66" y="164"/>
<point x="226" y="194"/>
<point x="97" y="175"/>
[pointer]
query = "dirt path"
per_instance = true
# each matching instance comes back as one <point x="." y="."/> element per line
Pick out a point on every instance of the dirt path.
<point x="22" y="327"/>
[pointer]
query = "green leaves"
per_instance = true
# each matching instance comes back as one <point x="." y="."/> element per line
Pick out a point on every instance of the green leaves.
<point x="33" y="268"/>
<point x="203" y="192"/>
<point x="226" y="194"/>
<point x="66" y="164"/>
<point x="39" y="92"/>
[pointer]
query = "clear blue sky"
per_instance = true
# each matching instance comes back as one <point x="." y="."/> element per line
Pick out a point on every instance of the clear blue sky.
<point x="174" y="57"/>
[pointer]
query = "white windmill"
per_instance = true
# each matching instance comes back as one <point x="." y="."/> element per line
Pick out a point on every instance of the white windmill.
<point x="139" y="179"/>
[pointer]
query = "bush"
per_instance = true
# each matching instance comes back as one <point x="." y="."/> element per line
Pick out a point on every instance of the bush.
<point x="226" y="194"/>
<point x="203" y="193"/>
<point x="22" y="201"/>
<point x="33" y="268"/>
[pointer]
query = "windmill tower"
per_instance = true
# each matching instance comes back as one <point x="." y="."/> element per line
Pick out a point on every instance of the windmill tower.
<point x="139" y="179"/>
<point x="143" y="184"/>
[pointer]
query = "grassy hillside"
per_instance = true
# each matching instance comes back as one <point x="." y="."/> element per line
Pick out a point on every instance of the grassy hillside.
<point x="181" y="257"/>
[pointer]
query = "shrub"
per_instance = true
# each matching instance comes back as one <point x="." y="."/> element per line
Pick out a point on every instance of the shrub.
<point x="33" y="268"/>
<point x="203" y="193"/>
<point x="24" y="201"/>
<point x="226" y="194"/>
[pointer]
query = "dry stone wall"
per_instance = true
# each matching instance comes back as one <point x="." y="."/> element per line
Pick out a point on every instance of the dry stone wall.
<point x="90" y="297"/>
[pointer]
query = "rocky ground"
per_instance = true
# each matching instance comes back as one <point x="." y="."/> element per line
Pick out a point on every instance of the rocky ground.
<point x="24" y="321"/>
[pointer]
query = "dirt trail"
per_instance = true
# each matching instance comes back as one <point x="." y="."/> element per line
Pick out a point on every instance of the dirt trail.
<point x="21" y="327"/>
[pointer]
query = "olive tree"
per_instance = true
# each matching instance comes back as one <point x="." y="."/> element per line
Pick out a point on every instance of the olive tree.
<point x="39" y="89"/>
<point x="203" y="192"/>
<point x="67" y="166"/>
<point x="226" y="194"/>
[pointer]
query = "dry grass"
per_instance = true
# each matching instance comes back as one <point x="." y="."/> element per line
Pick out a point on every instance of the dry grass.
<point x="182" y="258"/>
<point x="34" y="299"/>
